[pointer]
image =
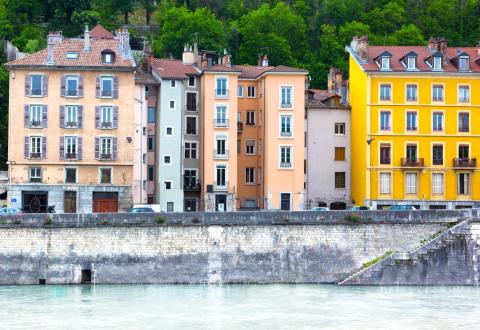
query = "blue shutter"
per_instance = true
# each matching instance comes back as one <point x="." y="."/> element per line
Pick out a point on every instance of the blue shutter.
<point x="45" y="85"/>
<point x="114" y="148"/>
<point x="44" y="147"/>
<point x="45" y="116"/>
<point x="97" y="148"/>
<point x="27" y="84"/>
<point x="62" y="148"/>
<point x="62" y="86"/>
<point x="115" y="116"/>
<point x="80" y="86"/>
<point x="115" y="87"/>
<point x="79" y="148"/>
<point x="26" y="116"/>
<point x="80" y="116"/>
<point x="26" y="147"/>
<point x="62" y="116"/>
<point x="97" y="116"/>
<point x="97" y="87"/>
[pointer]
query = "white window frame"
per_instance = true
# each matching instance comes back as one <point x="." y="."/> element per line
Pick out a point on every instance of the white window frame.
<point x="251" y="114"/>
<point x="164" y="184"/>
<point x="69" y="140"/>
<point x="250" y="176"/>
<point x="459" y="95"/>
<point x="76" y="79"/>
<point x="224" y="93"/>
<point x="38" y="115"/>
<point x="170" y="104"/>
<point x="106" y="146"/>
<point x="100" y="174"/>
<point x="411" y="63"/>
<point x="390" y="88"/>
<point x="163" y="160"/>
<point x="437" y="63"/>
<point x="289" y="146"/>
<point x="190" y="149"/>
<point x="173" y="83"/>
<point x="390" y="127"/>
<point x="221" y="122"/>
<point x="105" y="112"/>
<point x="286" y="105"/>
<point x="411" y="187"/>
<point x="38" y="143"/>
<point x="37" y="176"/>
<point x="382" y="190"/>
<point x="338" y="125"/>
<point x="385" y="63"/>
<point x="407" y="88"/>
<point x="240" y="91"/>
<point x="433" y="92"/>
<point x="468" y="188"/>
<point x="251" y="88"/>
<point x="102" y="79"/>
<point x="71" y="116"/>
<point x="225" y="168"/>
<point x="254" y="145"/>
<point x="438" y="189"/>
<point x="416" y="121"/>
<point x="466" y="62"/>
<point x="41" y="85"/>
<point x="434" y="122"/>
<point x="65" y="174"/>
<point x="286" y="134"/>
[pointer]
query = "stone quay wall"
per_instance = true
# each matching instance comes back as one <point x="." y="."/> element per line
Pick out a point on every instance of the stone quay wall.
<point x="240" y="247"/>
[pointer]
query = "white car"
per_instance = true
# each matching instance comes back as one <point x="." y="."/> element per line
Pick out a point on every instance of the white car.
<point x="320" y="208"/>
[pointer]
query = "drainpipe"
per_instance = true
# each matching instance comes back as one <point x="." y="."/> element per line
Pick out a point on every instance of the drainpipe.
<point x="141" y="101"/>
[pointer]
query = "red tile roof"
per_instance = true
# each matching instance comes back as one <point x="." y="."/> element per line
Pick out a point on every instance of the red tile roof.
<point x="173" y="69"/>
<point x="322" y="94"/>
<point x="250" y="71"/>
<point x="423" y="53"/>
<point x="92" y="58"/>
<point x="100" y="32"/>
<point x="221" y="68"/>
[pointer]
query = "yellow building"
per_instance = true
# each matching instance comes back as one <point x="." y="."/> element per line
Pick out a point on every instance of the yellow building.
<point x="413" y="137"/>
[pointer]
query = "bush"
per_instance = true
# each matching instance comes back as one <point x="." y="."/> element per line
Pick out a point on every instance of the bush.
<point x="160" y="220"/>
<point x="48" y="221"/>
<point x="353" y="218"/>
<point x="195" y="220"/>
<point x="18" y="222"/>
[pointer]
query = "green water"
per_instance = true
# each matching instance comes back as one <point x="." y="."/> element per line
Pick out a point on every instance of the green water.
<point x="238" y="307"/>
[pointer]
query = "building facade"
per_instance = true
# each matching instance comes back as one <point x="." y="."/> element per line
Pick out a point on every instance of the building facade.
<point x="413" y="136"/>
<point x="73" y="147"/>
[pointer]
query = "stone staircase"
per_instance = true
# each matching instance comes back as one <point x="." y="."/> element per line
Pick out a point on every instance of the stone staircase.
<point x="449" y="258"/>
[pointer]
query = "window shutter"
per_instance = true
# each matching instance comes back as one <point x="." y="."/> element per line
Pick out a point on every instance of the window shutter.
<point x="45" y="85"/>
<point x="80" y="148"/>
<point x="97" y="87"/>
<point x="80" y="116"/>
<point x="97" y="148"/>
<point x="62" y="147"/>
<point x="115" y="116"/>
<point x="26" y="147"/>
<point x="115" y="87"/>
<point x="27" y="85"/>
<point x="62" y="86"/>
<point x="97" y="117"/>
<point x="45" y="116"/>
<point x="62" y="116"/>
<point x="44" y="147"/>
<point x="26" y="115"/>
<point x="114" y="148"/>
<point x="80" y="86"/>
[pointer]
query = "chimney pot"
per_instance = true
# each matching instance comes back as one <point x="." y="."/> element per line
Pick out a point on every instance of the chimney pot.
<point x="363" y="47"/>
<point x="86" y="40"/>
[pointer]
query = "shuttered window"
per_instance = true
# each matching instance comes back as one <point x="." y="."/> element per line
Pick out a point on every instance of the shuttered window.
<point x="411" y="183"/>
<point x="385" y="183"/>
<point x="339" y="153"/>
<point x="437" y="183"/>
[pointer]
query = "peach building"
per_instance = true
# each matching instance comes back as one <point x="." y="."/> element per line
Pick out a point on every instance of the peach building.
<point x="71" y="110"/>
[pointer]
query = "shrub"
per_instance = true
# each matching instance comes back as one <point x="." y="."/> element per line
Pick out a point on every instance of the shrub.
<point x="48" y="221"/>
<point x="160" y="220"/>
<point x="18" y="222"/>
<point x="195" y="220"/>
<point x="353" y="218"/>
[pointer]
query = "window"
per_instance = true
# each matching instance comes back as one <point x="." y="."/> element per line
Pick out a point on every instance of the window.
<point x="106" y="117"/>
<point x="191" y="127"/>
<point x="385" y="92"/>
<point x="190" y="205"/>
<point x="191" y="81"/>
<point x="148" y="90"/>
<point x="285" y="126"/>
<point x="105" y="175"/>
<point x="71" y="143"/>
<point x="72" y="55"/>
<point x="463" y="94"/>
<point x="385" y="124"/>
<point x="411" y="121"/>
<point x="339" y="180"/>
<point x="191" y="150"/>
<point x="339" y="128"/>
<point x="339" y="153"/>
<point x="437" y="62"/>
<point x="411" y="63"/>
<point x="286" y="97"/>
<point x="106" y="148"/>
<point x="385" y="63"/>
<point x="463" y="183"/>
<point x="463" y="151"/>
<point x="437" y="154"/>
<point x="250" y="175"/>
<point x="168" y="185"/>
<point x="191" y="101"/>
<point x="385" y="152"/>
<point x="150" y="143"/>
<point x="151" y="115"/>
<point x="36" y="112"/>
<point x="190" y="179"/>
<point x="35" y="147"/>
<point x="385" y="182"/>
<point x="173" y="83"/>
<point x="463" y="63"/>
<point x="412" y="93"/>
<point x="144" y="130"/>
<point x="437" y="121"/>
<point x="172" y="104"/>
<point x="411" y="183"/>
<point x="151" y="173"/>
<point x="71" y="116"/>
<point x="437" y="183"/>
<point x="250" y="147"/>
<point x="70" y="175"/>
<point x="170" y="206"/>
<point x="221" y="88"/>
<point x="167" y="159"/>
<point x="151" y="199"/>
<point x="107" y="57"/>
<point x="240" y="91"/>
<point x="250" y="118"/>
<point x="106" y="87"/>
<point x="437" y="93"/>
<point x="285" y="157"/>
<point x="71" y="83"/>
<point x="221" y="147"/>
<point x="411" y="152"/>
<point x="221" y="176"/>
<point x="221" y="116"/>
<point x="35" y="174"/>
<point x="36" y="85"/>
<point x="144" y="158"/>
<point x="463" y="122"/>
<point x="251" y="91"/>
<point x="169" y="130"/>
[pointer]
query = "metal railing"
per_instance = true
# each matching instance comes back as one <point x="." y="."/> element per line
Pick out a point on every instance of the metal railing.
<point x="191" y="184"/>
<point x="35" y="123"/>
<point x="36" y="155"/>
<point x="465" y="162"/>
<point x="217" y="155"/>
<point x="217" y="122"/>
<point x="286" y="134"/>
<point x="71" y="155"/>
<point x="221" y="93"/>
<point x="412" y="162"/>
<point x="221" y="185"/>
<point x="286" y="105"/>
<point x="71" y="124"/>
<point x="286" y="165"/>
<point x="106" y="156"/>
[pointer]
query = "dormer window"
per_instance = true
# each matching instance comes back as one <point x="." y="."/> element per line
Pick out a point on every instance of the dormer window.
<point x="385" y="63"/>
<point x="411" y="63"/>
<point x="437" y="63"/>
<point x="72" y="55"/>
<point x="108" y="57"/>
<point x="463" y="63"/>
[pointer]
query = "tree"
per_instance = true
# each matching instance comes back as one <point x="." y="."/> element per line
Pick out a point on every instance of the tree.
<point x="353" y="28"/>
<point x="407" y="35"/>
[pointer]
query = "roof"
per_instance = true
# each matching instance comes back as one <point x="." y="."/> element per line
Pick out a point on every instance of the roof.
<point x="221" y="68"/>
<point x="252" y="71"/>
<point x="322" y="94"/>
<point x="145" y="78"/>
<point x="100" y="32"/>
<point x="399" y="52"/>
<point x="92" y="58"/>
<point x="173" y="69"/>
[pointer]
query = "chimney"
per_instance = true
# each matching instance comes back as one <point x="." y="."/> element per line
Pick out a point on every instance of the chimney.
<point x="195" y="52"/>
<point x="263" y="60"/>
<point x="226" y="58"/>
<point x="188" y="57"/>
<point x="363" y="47"/>
<point x="335" y="79"/>
<point x="53" y="38"/>
<point x="86" y="40"/>
<point x="147" y="58"/>
<point x="124" y="42"/>
<point x="354" y="44"/>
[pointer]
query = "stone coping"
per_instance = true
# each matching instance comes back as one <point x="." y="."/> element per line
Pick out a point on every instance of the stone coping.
<point x="234" y="218"/>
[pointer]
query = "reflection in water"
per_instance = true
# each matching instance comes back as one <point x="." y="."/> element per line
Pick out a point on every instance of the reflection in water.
<point x="238" y="307"/>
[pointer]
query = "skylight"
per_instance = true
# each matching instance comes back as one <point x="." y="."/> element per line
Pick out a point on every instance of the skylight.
<point x="72" y="55"/>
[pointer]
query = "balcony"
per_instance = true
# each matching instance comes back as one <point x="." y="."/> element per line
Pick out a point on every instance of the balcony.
<point x="72" y="93"/>
<point x="106" y="125"/>
<point x="220" y="123"/>
<point x="221" y="186"/>
<point x="105" y="156"/>
<point x="222" y="155"/>
<point x="191" y="184"/>
<point x="107" y="93"/>
<point x="71" y="124"/>
<point x="286" y="134"/>
<point x="221" y="93"/>
<point x="286" y="105"/>
<point x="71" y="155"/>
<point x="35" y="123"/>
<point x="286" y="165"/>
<point x="465" y="163"/>
<point x="412" y="162"/>
<point x="239" y="127"/>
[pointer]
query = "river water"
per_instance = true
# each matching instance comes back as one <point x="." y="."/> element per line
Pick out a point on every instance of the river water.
<point x="238" y="307"/>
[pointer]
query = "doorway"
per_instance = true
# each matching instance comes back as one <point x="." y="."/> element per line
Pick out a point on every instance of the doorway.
<point x="220" y="203"/>
<point x="285" y="201"/>
<point x="70" y="202"/>
<point x="35" y="201"/>
<point x="105" y="202"/>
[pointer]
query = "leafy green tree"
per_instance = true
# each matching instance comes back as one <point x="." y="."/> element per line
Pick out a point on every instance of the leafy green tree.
<point x="30" y="32"/>
<point x="407" y="35"/>
<point x="353" y="28"/>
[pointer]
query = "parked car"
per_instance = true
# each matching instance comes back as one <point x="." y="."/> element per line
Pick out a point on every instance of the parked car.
<point x="10" y="210"/>
<point x="402" y="207"/>
<point x="141" y="210"/>
<point x="360" y="208"/>
<point x="320" y="208"/>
